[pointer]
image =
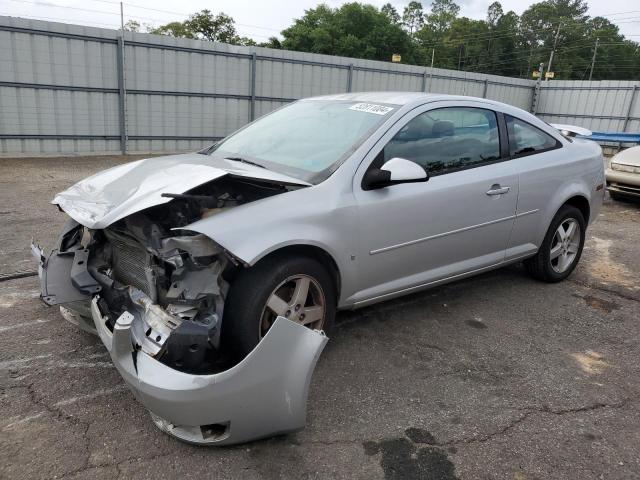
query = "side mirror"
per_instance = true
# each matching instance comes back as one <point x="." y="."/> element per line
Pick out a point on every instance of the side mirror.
<point x="394" y="171"/>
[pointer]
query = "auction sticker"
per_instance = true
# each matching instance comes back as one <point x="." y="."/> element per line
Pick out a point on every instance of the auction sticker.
<point x="371" y="108"/>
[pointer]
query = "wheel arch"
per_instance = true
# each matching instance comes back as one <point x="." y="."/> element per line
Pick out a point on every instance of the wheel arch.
<point x="309" y="250"/>
<point x="575" y="193"/>
<point x="582" y="204"/>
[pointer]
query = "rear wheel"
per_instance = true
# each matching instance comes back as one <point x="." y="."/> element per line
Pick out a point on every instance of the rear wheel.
<point x="561" y="248"/>
<point x="297" y="288"/>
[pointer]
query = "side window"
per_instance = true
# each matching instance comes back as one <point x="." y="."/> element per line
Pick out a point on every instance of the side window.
<point x="525" y="139"/>
<point x="447" y="139"/>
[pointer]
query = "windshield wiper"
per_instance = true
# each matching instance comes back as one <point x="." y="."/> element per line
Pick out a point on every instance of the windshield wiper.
<point x="244" y="160"/>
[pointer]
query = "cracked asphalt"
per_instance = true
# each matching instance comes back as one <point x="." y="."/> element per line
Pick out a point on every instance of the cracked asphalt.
<point x="494" y="377"/>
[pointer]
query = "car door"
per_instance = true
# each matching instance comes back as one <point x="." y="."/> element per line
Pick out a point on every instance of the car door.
<point x="458" y="221"/>
<point x="542" y="169"/>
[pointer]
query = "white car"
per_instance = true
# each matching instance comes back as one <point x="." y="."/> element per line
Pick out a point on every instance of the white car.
<point x="623" y="174"/>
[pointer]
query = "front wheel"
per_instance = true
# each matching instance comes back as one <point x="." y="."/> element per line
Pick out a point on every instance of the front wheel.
<point x="297" y="288"/>
<point x="561" y="248"/>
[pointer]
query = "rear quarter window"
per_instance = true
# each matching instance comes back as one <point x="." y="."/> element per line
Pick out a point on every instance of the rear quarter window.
<point x="525" y="139"/>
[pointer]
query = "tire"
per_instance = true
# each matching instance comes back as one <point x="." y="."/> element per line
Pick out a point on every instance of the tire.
<point x="247" y="315"/>
<point x="541" y="266"/>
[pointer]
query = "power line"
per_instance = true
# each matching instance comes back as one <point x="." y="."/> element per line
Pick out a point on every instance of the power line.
<point x="540" y="51"/>
<point x="137" y="17"/>
<point x="132" y="5"/>
<point x="488" y="35"/>
<point x="62" y="20"/>
<point x="572" y="25"/>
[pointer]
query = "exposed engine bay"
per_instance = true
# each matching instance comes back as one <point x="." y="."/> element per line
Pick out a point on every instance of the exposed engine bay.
<point x="138" y="265"/>
<point x="175" y="281"/>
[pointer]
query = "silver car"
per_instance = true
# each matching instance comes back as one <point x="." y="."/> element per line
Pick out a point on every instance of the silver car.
<point x="212" y="277"/>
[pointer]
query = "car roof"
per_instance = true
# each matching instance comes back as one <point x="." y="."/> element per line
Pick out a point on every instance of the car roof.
<point x="402" y="98"/>
<point x="410" y="100"/>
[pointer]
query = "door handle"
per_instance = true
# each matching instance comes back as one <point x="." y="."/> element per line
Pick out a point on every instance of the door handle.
<point x="496" y="189"/>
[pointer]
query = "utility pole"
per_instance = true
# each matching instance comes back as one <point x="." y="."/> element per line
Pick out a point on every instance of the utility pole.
<point x="593" y="60"/>
<point x="124" y="140"/>
<point x="536" y="90"/>
<point x="460" y="55"/>
<point x="555" y="44"/>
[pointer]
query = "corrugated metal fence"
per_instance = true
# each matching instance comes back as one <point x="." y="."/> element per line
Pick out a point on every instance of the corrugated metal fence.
<point x="605" y="106"/>
<point x="74" y="89"/>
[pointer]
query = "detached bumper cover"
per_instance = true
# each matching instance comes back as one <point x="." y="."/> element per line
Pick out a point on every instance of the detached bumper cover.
<point x="264" y="395"/>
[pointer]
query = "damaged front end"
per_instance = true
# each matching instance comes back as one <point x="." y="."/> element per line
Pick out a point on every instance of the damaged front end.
<point x="154" y="292"/>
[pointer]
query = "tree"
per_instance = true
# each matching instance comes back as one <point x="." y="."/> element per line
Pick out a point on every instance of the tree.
<point x="273" y="42"/>
<point x="204" y="25"/>
<point x="501" y="44"/>
<point x="494" y="12"/>
<point x="216" y="28"/>
<point x="413" y="17"/>
<point x="352" y="30"/>
<point x="391" y="13"/>
<point x="443" y="13"/>
<point x="132" y="26"/>
<point x="539" y="24"/>
<point x="174" y="29"/>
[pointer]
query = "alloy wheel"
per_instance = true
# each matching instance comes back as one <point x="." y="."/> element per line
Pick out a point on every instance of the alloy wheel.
<point x="565" y="245"/>
<point x="299" y="298"/>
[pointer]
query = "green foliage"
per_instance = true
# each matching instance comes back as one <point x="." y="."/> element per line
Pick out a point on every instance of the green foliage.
<point x="443" y="13"/>
<point x="174" y="29"/>
<point x="204" y="25"/>
<point x="413" y="17"/>
<point x="353" y="30"/>
<point x="502" y="44"/>
<point x="132" y="26"/>
<point x="506" y="44"/>
<point x="391" y="13"/>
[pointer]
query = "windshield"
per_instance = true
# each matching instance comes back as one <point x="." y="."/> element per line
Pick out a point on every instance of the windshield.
<point x="308" y="139"/>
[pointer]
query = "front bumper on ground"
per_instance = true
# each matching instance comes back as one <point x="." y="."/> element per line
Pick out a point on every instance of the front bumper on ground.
<point x="263" y="395"/>
<point x="624" y="183"/>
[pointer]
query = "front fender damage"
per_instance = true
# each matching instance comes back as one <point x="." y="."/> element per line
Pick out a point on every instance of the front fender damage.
<point x="263" y="395"/>
<point x="155" y="293"/>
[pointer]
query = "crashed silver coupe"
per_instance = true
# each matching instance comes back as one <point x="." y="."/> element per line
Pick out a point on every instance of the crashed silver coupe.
<point x="212" y="277"/>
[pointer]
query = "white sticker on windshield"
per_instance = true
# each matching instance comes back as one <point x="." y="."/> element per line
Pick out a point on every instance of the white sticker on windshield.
<point x="371" y="108"/>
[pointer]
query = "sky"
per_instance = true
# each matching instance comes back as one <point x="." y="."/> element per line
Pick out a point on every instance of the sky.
<point x="262" y="19"/>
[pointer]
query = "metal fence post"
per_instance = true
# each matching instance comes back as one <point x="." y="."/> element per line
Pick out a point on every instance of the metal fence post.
<point x="629" y="110"/>
<point x="484" y="90"/>
<point x="122" y="93"/>
<point x="349" y="77"/>
<point x="424" y="80"/>
<point x="252" y="106"/>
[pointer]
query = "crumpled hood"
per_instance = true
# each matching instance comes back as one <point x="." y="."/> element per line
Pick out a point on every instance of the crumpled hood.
<point x="630" y="156"/>
<point x="115" y="193"/>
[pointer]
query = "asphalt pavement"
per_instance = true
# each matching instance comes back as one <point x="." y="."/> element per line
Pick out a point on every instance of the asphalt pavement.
<point x="494" y="377"/>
